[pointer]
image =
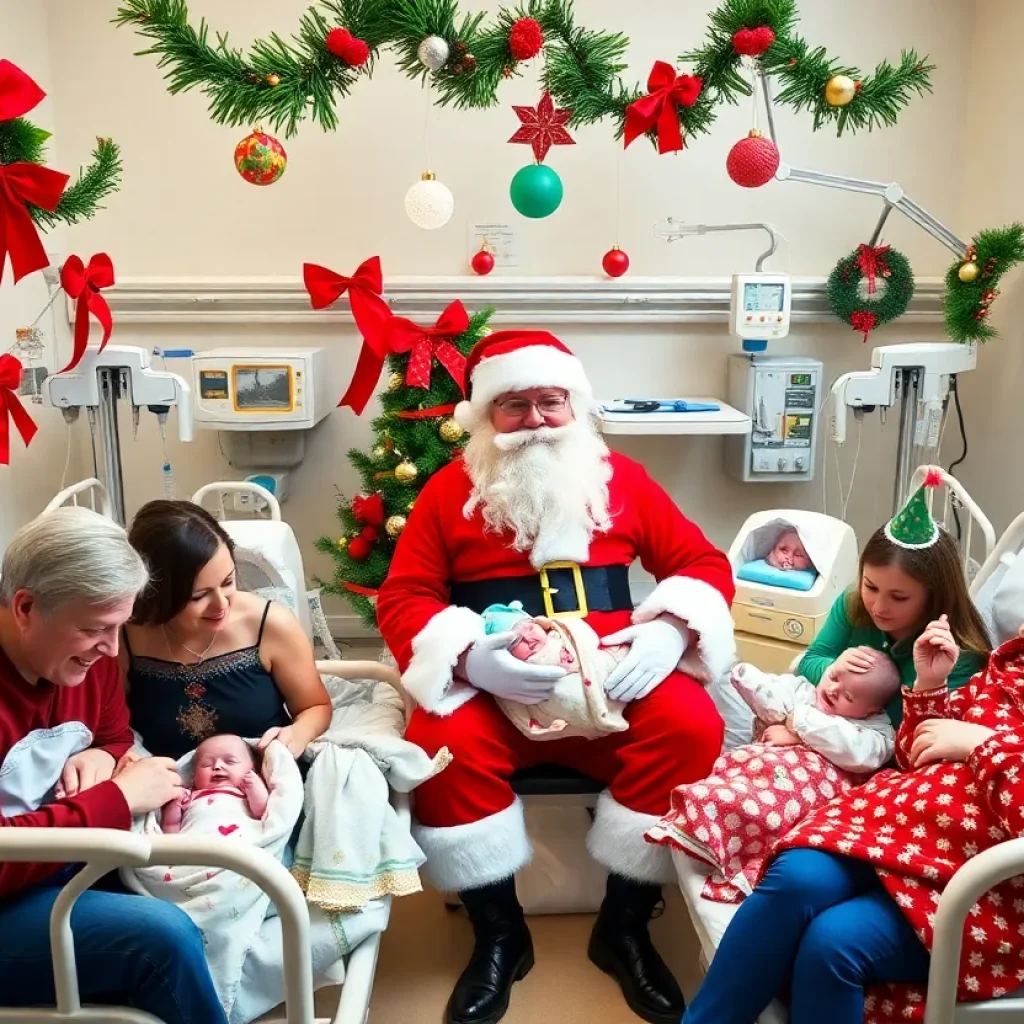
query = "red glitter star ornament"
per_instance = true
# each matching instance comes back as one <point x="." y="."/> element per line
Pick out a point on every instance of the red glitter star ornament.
<point x="543" y="127"/>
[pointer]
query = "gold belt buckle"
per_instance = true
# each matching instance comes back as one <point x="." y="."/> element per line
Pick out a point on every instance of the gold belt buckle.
<point x="582" y="611"/>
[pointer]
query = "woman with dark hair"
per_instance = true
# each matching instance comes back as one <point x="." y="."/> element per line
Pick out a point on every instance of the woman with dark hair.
<point x="202" y="657"/>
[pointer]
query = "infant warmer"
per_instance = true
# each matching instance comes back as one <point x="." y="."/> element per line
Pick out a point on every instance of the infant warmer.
<point x="778" y="613"/>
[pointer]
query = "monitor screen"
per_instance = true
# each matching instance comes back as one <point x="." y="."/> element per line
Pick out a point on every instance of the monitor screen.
<point x="213" y="384"/>
<point x="800" y="380"/>
<point x="263" y="388"/>
<point x="763" y="298"/>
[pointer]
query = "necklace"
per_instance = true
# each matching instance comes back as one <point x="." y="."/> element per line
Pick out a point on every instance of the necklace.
<point x="185" y="647"/>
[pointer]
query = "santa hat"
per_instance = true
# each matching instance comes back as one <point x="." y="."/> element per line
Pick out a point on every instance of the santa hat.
<point x="913" y="527"/>
<point x="516" y="361"/>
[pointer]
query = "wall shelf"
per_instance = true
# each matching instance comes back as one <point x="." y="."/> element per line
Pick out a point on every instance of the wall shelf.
<point x="726" y="420"/>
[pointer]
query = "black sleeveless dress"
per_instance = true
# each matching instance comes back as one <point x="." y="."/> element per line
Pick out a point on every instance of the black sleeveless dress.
<point x="174" y="707"/>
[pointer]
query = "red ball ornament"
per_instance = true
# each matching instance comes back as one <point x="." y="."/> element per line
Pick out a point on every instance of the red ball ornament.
<point x="260" y="159"/>
<point x="368" y="533"/>
<point x="359" y="549"/>
<point x="615" y="262"/>
<point x="525" y="39"/>
<point x="753" y="161"/>
<point x="343" y="45"/>
<point x="482" y="261"/>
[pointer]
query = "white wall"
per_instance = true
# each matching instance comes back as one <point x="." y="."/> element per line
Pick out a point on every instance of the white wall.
<point x="183" y="212"/>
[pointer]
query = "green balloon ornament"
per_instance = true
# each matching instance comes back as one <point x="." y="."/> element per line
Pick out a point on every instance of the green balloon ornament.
<point x="536" y="191"/>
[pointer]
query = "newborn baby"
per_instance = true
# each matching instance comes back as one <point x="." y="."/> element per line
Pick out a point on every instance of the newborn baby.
<point x="578" y="705"/>
<point x="226" y="785"/>
<point x="789" y="553"/>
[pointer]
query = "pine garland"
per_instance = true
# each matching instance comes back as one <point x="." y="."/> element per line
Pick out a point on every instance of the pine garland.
<point x="967" y="303"/>
<point x="284" y="83"/>
<point x="396" y="440"/>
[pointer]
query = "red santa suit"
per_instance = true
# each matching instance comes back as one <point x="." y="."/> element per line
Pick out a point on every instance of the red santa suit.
<point x="468" y="820"/>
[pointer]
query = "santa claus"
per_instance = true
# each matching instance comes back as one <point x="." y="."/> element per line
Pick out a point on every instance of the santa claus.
<point x="539" y="511"/>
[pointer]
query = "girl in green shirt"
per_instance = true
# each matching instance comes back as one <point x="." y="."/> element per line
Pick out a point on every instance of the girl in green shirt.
<point x="900" y="589"/>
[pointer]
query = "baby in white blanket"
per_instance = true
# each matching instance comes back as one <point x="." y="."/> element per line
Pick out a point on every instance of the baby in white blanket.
<point x="227" y="793"/>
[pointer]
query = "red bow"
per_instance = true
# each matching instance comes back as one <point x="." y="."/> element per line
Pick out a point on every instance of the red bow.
<point x="667" y="91"/>
<point x="426" y="342"/>
<point x="871" y="261"/>
<point x="10" y="406"/>
<point x="863" y="321"/>
<point x="369" y="511"/>
<point x="370" y="313"/>
<point x="84" y="283"/>
<point x="18" y="93"/>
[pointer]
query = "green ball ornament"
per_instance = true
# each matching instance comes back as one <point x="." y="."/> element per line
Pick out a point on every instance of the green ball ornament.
<point x="536" y="191"/>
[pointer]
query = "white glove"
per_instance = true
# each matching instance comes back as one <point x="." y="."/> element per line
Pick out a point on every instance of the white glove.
<point x="490" y="667"/>
<point x="654" y="651"/>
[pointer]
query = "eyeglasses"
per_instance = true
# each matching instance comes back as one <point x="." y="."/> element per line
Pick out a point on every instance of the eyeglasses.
<point x="519" y="408"/>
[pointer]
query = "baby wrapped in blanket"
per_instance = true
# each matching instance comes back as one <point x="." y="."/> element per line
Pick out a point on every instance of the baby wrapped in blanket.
<point x="232" y="801"/>
<point x="578" y="705"/>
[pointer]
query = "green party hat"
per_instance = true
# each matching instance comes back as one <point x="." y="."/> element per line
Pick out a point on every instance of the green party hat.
<point x="913" y="526"/>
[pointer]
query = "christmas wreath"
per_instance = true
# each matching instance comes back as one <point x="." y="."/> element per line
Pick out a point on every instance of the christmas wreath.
<point x="971" y="282"/>
<point x="871" y="287"/>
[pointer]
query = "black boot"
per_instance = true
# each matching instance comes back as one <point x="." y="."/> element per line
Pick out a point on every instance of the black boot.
<point x="621" y="946"/>
<point x="502" y="955"/>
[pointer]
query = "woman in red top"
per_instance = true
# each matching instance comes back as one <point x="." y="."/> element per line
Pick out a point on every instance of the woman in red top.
<point x="850" y="902"/>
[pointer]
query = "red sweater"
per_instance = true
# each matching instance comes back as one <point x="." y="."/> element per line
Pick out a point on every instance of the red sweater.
<point x="41" y="726"/>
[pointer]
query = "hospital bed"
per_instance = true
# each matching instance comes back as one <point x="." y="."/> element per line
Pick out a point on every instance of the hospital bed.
<point x="985" y="564"/>
<point x="105" y="850"/>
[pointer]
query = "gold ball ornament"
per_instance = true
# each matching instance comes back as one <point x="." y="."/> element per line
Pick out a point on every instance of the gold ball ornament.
<point x="450" y="431"/>
<point x="408" y="508"/>
<point x="342" y="543"/>
<point x="395" y="381"/>
<point x="395" y="525"/>
<point x="840" y="90"/>
<point x="968" y="272"/>
<point x="406" y="472"/>
<point x="273" y="79"/>
<point x="380" y="452"/>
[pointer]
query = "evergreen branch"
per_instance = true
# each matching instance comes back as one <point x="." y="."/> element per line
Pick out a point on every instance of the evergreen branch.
<point x="967" y="303"/>
<point x="22" y="142"/>
<point x="83" y="199"/>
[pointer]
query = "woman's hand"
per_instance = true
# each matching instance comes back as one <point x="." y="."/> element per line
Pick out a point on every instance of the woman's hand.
<point x="84" y="770"/>
<point x="127" y="760"/>
<point x="859" y="660"/>
<point x="935" y="654"/>
<point x="286" y="734"/>
<point x="779" y="736"/>
<point x="946" y="739"/>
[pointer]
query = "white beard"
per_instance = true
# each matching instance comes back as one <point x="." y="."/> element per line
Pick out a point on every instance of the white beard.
<point x="548" y="487"/>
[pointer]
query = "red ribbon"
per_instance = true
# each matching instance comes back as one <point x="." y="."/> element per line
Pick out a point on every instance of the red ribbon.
<point x="355" y="588"/>
<point x="23" y="183"/>
<point x="370" y="313"/>
<point x="425" y="414"/>
<point x="369" y="511"/>
<point x="83" y="283"/>
<point x="18" y="93"/>
<point x="10" y="406"/>
<point x="667" y="92"/>
<point x="872" y="262"/>
<point x="863" y="321"/>
<point x="423" y="343"/>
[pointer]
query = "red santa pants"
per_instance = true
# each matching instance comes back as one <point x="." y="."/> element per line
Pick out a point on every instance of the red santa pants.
<point x="470" y="823"/>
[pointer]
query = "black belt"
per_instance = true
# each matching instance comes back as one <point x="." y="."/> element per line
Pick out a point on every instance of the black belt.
<point x="562" y="588"/>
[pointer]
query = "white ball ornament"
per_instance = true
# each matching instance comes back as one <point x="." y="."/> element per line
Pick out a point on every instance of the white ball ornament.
<point x="433" y="52"/>
<point x="428" y="203"/>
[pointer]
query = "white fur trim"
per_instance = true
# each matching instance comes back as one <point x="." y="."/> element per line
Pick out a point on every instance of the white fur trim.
<point x="706" y="612"/>
<point x="469" y="856"/>
<point x="435" y="650"/>
<point x="617" y="841"/>
<point x="539" y="366"/>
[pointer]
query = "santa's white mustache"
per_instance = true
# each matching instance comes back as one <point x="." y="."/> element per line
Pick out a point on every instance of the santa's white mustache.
<point x="531" y="435"/>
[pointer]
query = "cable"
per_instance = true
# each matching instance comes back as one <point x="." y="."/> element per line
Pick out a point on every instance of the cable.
<point x="853" y="472"/>
<point x="67" y="461"/>
<point x="963" y="454"/>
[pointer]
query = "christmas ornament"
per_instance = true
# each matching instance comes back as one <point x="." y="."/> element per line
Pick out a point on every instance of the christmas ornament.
<point x="753" y="161"/>
<point x="343" y="45"/>
<point x="543" y="127"/>
<point x="342" y="543"/>
<point x="913" y="527"/>
<point x="968" y="272"/>
<point x="840" y="90"/>
<point x="525" y="39"/>
<point x="379" y="452"/>
<point x="615" y="262"/>
<point x="466" y="66"/>
<point x="667" y="92"/>
<point x="273" y="79"/>
<point x="450" y="431"/>
<point x="11" y="409"/>
<point x="536" y="191"/>
<point x="428" y="203"/>
<point x="483" y="260"/>
<point x="82" y="284"/>
<point x="406" y="472"/>
<point x="752" y="42"/>
<point x="260" y="159"/>
<point x="408" y="508"/>
<point x="433" y="52"/>
<point x="359" y="549"/>
<point x="425" y="343"/>
<point x="395" y="525"/>
<point x="395" y="381"/>
<point x="871" y="287"/>
<point x="369" y="510"/>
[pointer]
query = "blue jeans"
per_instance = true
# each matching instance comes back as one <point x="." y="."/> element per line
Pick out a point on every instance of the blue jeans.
<point x="820" y="926"/>
<point x="130" y="951"/>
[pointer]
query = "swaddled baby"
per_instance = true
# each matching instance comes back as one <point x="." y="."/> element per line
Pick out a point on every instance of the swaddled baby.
<point x="579" y="704"/>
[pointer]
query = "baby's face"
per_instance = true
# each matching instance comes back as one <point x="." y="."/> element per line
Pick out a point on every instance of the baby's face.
<point x="789" y="553"/>
<point x="846" y="694"/>
<point x="222" y="761"/>
<point x="530" y="638"/>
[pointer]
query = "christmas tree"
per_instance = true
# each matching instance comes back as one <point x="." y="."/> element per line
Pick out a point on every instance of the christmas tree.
<point x="414" y="436"/>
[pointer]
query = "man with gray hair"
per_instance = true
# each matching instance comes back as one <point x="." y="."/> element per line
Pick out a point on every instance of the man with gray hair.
<point x="69" y="582"/>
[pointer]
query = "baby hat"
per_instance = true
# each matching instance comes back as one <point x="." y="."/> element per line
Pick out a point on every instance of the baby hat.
<point x="500" y="618"/>
<point x="913" y="526"/>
